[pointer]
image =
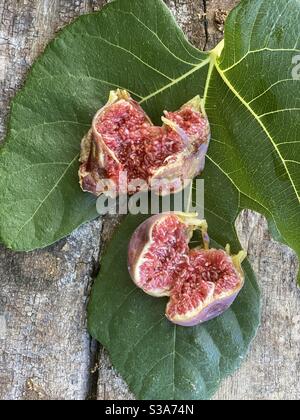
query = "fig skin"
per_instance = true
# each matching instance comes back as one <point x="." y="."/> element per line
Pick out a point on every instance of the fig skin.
<point x="141" y="241"/>
<point x="211" y="311"/>
<point x="176" y="171"/>
<point x="92" y="171"/>
<point x="214" y="304"/>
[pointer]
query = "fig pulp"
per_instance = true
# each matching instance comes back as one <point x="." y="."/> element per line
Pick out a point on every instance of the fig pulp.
<point x="123" y="140"/>
<point x="201" y="283"/>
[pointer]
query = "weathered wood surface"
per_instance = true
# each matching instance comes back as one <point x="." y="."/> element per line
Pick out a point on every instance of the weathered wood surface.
<point x="45" y="351"/>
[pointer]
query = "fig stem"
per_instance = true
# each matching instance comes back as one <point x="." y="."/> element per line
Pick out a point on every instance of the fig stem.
<point x="217" y="51"/>
<point x="240" y="257"/>
<point x="191" y="219"/>
<point x="117" y="95"/>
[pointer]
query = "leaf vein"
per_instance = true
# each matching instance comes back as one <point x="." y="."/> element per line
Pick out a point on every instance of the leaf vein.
<point x="38" y="164"/>
<point x="276" y="21"/>
<point x="153" y="367"/>
<point x="131" y="53"/>
<point x="293" y="161"/>
<point x="174" y="82"/>
<point x="24" y="130"/>
<point x="258" y="51"/>
<point x="130" y="350"/>
<point x="269" y="88"/>
<point x="288" y="142"/>
<point x="278" y="111"/>
<point x="258" y="119"/>
<point x="156" y="35"/>
<point x="47" y="196"/>
<point x="246" y="195"/>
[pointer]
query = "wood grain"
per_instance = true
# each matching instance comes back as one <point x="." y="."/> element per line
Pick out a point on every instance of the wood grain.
<point x="45" y="352"/>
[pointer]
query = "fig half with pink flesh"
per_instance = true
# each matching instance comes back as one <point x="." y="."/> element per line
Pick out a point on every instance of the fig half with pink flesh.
<point x="123" y="139"/>
<point x="201" y="283"/>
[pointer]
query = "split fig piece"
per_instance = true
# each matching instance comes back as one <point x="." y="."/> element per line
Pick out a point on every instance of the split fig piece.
<point x="201" y="283"/>
<point x="124" y="140"/>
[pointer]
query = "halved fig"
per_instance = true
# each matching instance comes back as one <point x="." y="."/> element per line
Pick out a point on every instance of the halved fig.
<point x="201" y="283"/>
<point x="123" y="140"/>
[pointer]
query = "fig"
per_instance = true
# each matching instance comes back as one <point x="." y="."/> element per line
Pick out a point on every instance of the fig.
<point x="201" y="283"/>
<point x="124" y="140"/>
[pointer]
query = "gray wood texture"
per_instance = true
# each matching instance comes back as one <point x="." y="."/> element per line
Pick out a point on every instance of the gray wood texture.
<point x="45" y="351"/>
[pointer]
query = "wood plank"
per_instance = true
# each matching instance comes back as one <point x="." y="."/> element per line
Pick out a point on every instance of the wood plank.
<point x="45" y="351"/>
<point x="271" y="371"/>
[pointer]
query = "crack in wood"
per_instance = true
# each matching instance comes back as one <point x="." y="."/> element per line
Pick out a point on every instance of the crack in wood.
<point x="205" y="24"/>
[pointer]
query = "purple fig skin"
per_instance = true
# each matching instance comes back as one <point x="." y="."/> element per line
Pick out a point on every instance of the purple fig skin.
<point x="92" y="171"/>
<point x="140" y="240"/>
<point x="212" y="311"/>
<point x="214" y="306"/>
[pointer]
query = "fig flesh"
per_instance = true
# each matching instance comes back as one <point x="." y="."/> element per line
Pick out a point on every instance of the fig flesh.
<point x="201" y="283"/>
<point x="124" y="140"/>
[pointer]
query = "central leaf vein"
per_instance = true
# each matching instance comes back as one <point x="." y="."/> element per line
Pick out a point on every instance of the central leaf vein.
<point x="179" y="79"/>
